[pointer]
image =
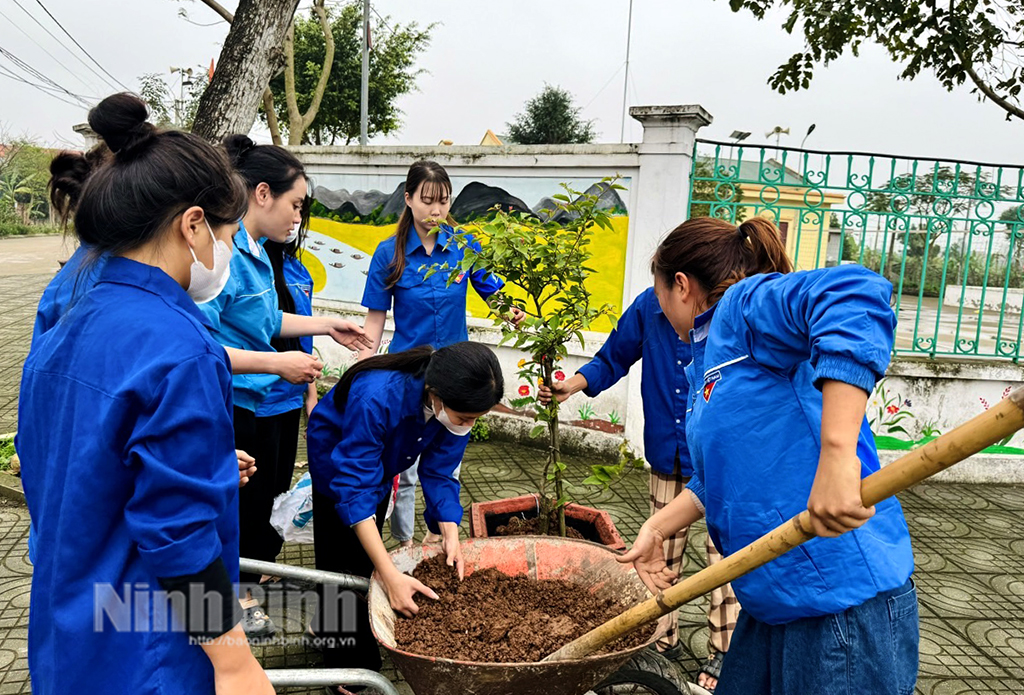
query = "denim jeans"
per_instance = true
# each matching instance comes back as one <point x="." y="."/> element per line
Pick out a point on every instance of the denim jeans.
<point x="871" y="649"/>
<point x="403" y="516"/>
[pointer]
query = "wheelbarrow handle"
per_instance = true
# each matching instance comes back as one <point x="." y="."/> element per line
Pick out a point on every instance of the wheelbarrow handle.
<point x="272" y="569"/>
<point x="951" y="448"/>
<point x="292" y="677"/>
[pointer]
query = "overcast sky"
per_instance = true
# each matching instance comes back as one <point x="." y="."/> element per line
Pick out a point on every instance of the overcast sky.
<point x="487" y="58"/>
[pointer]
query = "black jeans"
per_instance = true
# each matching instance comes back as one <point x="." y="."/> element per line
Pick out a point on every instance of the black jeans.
<point x="338" y="549"/>
<point x="273" y="442"/>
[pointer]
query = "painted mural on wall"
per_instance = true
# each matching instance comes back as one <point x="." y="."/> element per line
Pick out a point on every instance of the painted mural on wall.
<point x="899" y="424"/>
<point x="353" y="213"/>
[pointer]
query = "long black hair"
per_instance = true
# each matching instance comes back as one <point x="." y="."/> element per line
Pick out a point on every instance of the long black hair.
<point x="279" y="169"/>
<point x="421" y="172"/>
<point x="465" y="376"/>
<point x="151" y="177"/>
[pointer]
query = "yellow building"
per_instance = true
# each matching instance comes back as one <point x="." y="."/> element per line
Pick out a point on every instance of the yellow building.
<point x="801" y="212"/>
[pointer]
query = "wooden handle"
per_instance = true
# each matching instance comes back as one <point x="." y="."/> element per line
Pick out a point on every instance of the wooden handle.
<point x="951" y="448"/>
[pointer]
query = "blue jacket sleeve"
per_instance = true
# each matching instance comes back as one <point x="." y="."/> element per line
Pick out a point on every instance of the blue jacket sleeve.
<point x="484" y="282"/>
<point x="357" y="464"/>
<point x="437" y="477"/>
<point x="696" y="486"/>
<point x="182" y="447"/>
<point x="620" y="351"/>
<point x="839" y="319"/>
<point x="377" y="297"/>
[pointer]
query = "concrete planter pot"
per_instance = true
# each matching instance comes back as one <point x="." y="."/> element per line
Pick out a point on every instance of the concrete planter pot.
<point x="594" y="524"/>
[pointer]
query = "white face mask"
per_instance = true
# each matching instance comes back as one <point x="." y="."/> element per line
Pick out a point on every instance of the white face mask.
<point x="292" y="235"/>
<point x="457" y="430"/>
<point x="206" y="283"/>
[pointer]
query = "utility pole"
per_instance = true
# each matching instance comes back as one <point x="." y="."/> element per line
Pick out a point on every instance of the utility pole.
<point x="364" y="92"/>
<point x="625" y="80"/>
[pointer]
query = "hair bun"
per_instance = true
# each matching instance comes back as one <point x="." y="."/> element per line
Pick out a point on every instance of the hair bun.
<point x="237" y="147"/>
<point x="120" y="120"/>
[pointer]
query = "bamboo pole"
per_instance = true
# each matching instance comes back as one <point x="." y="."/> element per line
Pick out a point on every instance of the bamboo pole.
<point x="951" y="448"/>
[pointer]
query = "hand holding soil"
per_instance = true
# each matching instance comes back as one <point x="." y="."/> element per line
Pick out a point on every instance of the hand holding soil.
<point x="401" y="590"/>
<point x="452" y="548"/>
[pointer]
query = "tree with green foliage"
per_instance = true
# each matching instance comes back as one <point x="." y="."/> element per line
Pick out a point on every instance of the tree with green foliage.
<point x="393" y="74"/>
<point x="944" y="195"/>
<point x="167" y="110"/>
<point x="958" y="40"/>
<point x="550" y="119"/>
<point x="547" y="263"/>
<point x="24" y="173"/>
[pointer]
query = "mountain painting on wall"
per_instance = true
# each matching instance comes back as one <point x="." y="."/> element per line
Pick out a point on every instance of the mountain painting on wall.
<point x="352" y="214"/>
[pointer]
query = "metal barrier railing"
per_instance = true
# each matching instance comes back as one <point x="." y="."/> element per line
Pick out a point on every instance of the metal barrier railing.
<point x="298" y="677"/>
<point x="948" y="234"/>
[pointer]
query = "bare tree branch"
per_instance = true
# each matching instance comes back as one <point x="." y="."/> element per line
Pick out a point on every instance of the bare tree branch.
<point x="325" y="72"/>
<point x="1011" y="109"/>
<point x="219" y="9"/>
<point x="272" y="124"/>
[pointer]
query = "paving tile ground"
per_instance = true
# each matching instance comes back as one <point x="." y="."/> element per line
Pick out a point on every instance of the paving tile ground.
<point x="968" y="543"/>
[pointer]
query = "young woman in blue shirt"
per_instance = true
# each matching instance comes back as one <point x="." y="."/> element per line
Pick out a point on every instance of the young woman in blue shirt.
<point x="131" y="388"/>
<point x="643" y="333"/>
<point x="426" y="311"/>
<point x="782" y="367"/>
<point x="246" y="315"/>
<point x="386" y="413"/>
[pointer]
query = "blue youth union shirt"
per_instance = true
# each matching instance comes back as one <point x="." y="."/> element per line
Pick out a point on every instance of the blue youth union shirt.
<point x="283" y="396"/>
<point x="130" y="475"/>
<point x="246" y="315"/>
<point x="644" y="333"/>
<point x="355" y="451"/>
<point x="427" y="311"/>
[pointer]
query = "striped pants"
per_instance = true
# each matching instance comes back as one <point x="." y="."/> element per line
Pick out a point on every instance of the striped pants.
<point x="724" y="608"/>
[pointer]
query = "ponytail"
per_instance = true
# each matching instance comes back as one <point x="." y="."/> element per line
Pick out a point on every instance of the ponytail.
<point x="465" y="376"/>
<point x="423" y="171"/>
<point x="718" y="255"/>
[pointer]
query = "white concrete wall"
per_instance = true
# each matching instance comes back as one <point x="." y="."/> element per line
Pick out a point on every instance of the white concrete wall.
<point x="971" y="298"/>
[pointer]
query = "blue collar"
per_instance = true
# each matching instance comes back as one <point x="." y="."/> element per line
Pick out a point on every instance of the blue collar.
<point x="124" y="271"/>
<point x="444" y="235"/>
<point x="413" y="401"/>
<point x="242" y="239"/>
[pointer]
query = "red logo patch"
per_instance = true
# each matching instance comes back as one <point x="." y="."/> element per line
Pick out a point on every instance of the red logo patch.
<point x="708" y="388"/>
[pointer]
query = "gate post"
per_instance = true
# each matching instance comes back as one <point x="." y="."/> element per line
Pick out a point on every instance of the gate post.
<point x="662" y="197"/>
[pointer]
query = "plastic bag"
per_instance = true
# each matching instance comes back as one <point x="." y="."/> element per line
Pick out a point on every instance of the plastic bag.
<point x="292" y="516"/>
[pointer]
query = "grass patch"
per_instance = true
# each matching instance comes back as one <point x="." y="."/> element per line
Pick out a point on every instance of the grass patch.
<point x="17" y="229"/>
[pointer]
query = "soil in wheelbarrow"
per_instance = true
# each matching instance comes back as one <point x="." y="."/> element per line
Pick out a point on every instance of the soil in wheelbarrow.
<point x="494" y="618"/>
<point x="518" y="526"/>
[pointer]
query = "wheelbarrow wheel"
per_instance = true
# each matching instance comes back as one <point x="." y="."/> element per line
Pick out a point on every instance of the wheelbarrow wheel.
<point x="647" y="673"/>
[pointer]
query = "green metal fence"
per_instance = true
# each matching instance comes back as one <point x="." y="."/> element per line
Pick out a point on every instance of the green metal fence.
<point x="948" y="234"/>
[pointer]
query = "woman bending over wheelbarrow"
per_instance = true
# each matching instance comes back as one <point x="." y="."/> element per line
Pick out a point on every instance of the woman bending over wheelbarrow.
<point x="782" y="367"/>
<point x="386" y="412"/>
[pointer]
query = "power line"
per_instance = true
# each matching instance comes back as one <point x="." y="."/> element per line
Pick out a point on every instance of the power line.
<point x="43" y="49"/>
<point x="62" y="45"/>
<point x="31" y="71"/>
<point x="4" y="72"/>
<point x="80" y="47"/>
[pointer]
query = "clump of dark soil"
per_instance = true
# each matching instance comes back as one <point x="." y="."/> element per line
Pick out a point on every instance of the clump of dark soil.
<point x="492" y="617"/>
<point x="518" y="526"/>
